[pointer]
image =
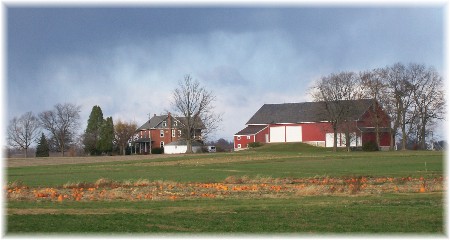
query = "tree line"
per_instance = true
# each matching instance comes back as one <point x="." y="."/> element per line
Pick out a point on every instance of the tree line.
<point x="57" y="131"/>
<point x="412" y="95"/>
<point x="191" y="101"/>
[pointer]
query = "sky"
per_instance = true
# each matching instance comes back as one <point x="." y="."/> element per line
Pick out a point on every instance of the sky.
<point x="129" y="59"/>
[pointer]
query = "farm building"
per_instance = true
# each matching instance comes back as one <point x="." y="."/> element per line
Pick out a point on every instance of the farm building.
<point x="308" y="122"/>
<point x="159" y="131"/>
<point x="181" y="147"/>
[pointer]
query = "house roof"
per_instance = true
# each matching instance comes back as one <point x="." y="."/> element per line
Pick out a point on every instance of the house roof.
<point x="252" y="129"/>
<point x="305" y="112"/>
<point x="152" y="123"/>
<point x="156" y="120"/>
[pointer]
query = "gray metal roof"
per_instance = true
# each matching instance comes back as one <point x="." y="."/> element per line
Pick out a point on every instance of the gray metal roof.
<point x="305" y="112"/>
<point x="252" y="129"/>
<point x="155" y="121"/>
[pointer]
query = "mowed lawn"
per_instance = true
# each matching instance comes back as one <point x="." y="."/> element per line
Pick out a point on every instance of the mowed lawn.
<point x="376" y="213"/>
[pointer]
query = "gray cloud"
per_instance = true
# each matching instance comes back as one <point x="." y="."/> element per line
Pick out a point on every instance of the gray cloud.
<point x="125" y="60"/>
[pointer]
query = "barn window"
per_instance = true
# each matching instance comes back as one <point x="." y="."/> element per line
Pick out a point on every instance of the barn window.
<point x="239" y="145"/>
<point x="179" y="133"/>
<point x="161" y="144"/>
<point x="161" y="133"/>
<point x="164" y="124"/>
<point x="239" y="138"/>
<point x="248" y="137"/>
<point x="173" y="132"/>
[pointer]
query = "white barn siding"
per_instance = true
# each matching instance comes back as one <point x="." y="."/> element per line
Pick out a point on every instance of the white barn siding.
<point x="177" y="149"/>
<point x="354" y="140"/>
<point x="174" y="149"/>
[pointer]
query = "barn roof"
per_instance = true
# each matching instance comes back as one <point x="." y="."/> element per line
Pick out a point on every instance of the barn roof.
<point x="305" y="112"/>
<point x="252" y="129"/>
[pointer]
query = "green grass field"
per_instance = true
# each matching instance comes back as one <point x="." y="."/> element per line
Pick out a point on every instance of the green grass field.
<point x="381" y="212"/>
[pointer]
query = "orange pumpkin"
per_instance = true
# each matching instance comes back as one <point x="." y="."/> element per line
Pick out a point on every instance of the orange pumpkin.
<point x="422" y="188"/>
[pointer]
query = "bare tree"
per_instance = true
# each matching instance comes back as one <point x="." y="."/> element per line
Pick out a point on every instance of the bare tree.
<point x="62" y="123"/>
<point x="333" y="90"/>
<point x="400" y="94"/>
<point x="23" y="131"/>
<point x="123" y="132"/>
<point x="374" y="86"/>
<point x="194" y="104"/>
<point x="428" y="96"/>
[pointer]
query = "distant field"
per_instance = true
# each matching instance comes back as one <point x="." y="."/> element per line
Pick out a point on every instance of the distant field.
<point x="277" y="188"/>
<point x="26" y="162"/>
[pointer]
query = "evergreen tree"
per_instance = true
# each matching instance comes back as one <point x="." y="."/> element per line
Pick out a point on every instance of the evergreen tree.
<point x="106" y="142"/>
<point x="42" y="149"/>
<point x="92" y="133"/>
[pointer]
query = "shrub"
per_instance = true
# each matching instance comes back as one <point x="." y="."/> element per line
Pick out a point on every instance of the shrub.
<point x="370" y="146"/>
<point x="236" y="180"/>
<point x="254" y="144"/>
<point x="157" y="150"/>
<point x="103" y="182"/>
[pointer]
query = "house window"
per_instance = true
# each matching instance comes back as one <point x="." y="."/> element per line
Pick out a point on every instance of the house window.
<point x="179" y="133"/>
<point x="248" y="137"/>
<point x="239" y="138"/>
<point x="173" y="132"/>
<point x="164" y="124"/>
<point x="175" y="123"/>
<point x="161" y="133"/>
<point x="161" y="144"/>
<point x="239" y="145"/>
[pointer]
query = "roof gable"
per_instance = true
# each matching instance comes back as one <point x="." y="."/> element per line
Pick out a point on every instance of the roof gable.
<point x="304" y="112"/>
<point x="156" y="122"/>
<point x="252" y="129"/>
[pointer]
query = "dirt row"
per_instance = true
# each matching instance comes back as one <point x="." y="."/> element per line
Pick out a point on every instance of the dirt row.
<point x="232" y="187"/>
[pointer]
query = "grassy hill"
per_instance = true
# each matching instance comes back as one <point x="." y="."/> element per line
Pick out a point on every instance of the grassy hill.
<point x="271" y="160"/>
<point x="271" y="189"/>
<point x="290" y="148"/>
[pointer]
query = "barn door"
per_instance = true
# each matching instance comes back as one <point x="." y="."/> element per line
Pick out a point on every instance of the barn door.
<point x="293" y="133"/>
<point x="277" y="134"/>
<point x="329" y="139"/>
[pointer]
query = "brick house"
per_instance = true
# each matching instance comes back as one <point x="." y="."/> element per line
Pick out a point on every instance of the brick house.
<point x="159" y="131"/>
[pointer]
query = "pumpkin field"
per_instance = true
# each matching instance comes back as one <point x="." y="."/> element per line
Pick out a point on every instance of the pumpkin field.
<point x="290" y="188"/>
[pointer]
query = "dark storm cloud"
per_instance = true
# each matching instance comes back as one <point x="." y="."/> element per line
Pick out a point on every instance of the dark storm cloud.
<point x="128" y="60"/>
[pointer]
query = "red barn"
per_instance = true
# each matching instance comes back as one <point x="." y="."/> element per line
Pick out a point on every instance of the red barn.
<point x="308" y="122"/>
